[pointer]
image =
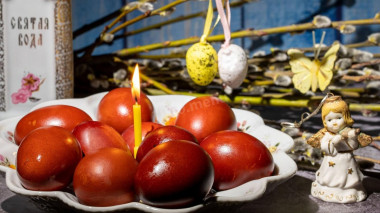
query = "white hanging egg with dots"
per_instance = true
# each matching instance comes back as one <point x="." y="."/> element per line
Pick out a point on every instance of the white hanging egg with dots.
<point x="232" y="65"/>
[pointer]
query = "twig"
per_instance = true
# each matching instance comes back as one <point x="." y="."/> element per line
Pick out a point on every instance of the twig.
<point x="266" y="100"/>
<point x="367" y="159"/>
<point x="369" y="63"/>
<point x="159" y="57"/>
<point x="147" y="79"/>
<point x="361" y="78"/>
<point x="150" y="13"/>
<point x="99" y="41"/>
<point x="374" y="144"/>
<point x="155" y="26"/>
<point x="268" y="59"/>
<point x="159" y="25"/>
<point x="353" y="45"/>
<point x="125" y="11"/>
<point x="177" y="19"/>
<point x="240" y="34"/>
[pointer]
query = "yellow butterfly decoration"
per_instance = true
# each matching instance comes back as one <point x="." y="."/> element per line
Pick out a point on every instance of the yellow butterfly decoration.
<point x="312" y="73"/>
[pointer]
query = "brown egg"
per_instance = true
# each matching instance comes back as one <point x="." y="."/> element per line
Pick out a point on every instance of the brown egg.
<point x="94" y="135"/>
<point x="105" y="178"/>
<point x="129" y="134"/>
<point x="46" y="158"/>
<point x="174" y="174"/>
<point x="116" y="109"/>
<point x="161" y="135"/>
<point x="56" y="115"/>
<point x="237" y="158"/>
<point x="205" y="115"/>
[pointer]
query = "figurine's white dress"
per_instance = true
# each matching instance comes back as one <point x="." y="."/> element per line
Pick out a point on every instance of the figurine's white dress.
<point x="339" y="178"/>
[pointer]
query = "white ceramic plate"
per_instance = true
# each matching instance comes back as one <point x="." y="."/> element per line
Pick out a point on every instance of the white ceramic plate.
<point x="166" y="105"/>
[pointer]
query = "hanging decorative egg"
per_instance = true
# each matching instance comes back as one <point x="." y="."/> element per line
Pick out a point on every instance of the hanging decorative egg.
<point x="202" y="63"/>
<point x="232" y="65"/>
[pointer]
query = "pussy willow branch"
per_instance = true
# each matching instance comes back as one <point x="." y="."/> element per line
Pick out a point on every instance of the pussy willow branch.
<point x="124" y="12"/>
<point x="353" y="45"/>
<point x="271" y="59"/>
<point x="149" y="13"/>
<point x="177" y="19"/>
<point x="369" y="63"/>
<point x="367" y="159"/>
<point x="241" y="34"/>
<point x="265" y="100"/>
<point x="374" y="144"/>
<point x="361" y="78"/>
<point x="99" y="41"/>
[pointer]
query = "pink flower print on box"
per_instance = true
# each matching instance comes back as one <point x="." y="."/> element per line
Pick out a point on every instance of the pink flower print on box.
<point x="21" y="96"/>
<point x="29" y="84"/>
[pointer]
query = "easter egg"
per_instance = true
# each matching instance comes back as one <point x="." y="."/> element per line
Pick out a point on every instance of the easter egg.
<point x="232" y="65"/>
<point x="205" y="115"/>
<point x="64" y="116"/>
<point x="237" y="158"/>
<point x="47" y="158"/>
<point x="202" y="63"/>
<point x="174" y="174"/>
<point x="116" y="109"/>
<point x="105" y="178"/>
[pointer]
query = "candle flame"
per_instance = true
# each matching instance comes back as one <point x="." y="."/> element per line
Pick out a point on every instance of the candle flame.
<point x="136" y="84"/>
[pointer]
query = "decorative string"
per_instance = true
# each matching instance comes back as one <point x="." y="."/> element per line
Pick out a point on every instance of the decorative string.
<point x="225" y="19"/>
<point x="306" y="116"/>
<point x="320" y="44"/>
<point x="207" y="28"/>
<point x="314" y="44"/>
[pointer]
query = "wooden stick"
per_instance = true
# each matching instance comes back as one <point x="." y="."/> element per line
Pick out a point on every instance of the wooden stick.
<point x="374" y="144"/>
<point x="367" y="159"/>
<point x="369" y="63"/>
<point x="267" y="100"/>
<point x="361" y="78"/>
<point x="150" y="13"/>
<point x="124" y="12"/>
<point x="177" y="19"/>
<point x="240" y="34"/>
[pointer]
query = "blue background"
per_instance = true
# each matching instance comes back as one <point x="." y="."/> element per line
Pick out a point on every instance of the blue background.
<point x="259" y="14"/>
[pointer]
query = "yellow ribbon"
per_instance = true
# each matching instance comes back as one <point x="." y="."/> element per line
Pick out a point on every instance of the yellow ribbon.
<point x="207" y="28"/>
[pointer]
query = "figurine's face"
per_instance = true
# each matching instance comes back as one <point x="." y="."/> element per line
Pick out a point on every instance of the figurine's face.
<point x="334" y="122"/>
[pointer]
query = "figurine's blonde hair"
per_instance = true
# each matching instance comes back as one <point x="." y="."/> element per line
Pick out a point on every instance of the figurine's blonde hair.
<point x="337" y="105"/>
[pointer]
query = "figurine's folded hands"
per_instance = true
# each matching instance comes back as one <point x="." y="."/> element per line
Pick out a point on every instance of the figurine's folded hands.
<point x="336" y="139"/>
<point x="353" y="133"/>
<point x="352" y="140"/>
<point x="328" y="144"/>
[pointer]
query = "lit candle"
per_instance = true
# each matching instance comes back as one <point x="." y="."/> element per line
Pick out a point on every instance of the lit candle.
<point x="136" y="109"/>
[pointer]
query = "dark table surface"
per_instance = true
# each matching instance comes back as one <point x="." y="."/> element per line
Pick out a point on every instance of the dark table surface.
<point x="289" y="197"/>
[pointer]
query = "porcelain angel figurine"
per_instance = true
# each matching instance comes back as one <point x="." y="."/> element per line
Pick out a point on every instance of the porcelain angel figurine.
<point x="339" y="178"/>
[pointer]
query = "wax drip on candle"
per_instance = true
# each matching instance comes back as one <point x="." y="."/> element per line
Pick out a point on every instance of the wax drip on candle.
<point x="232" y="63"/>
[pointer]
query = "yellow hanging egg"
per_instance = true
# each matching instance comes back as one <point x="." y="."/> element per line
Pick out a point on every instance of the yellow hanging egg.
<point x="202" y="63"/>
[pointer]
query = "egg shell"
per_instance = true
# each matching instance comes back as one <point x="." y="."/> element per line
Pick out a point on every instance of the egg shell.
<point x="202" y="63"/>
<point x="233" y="65"/>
